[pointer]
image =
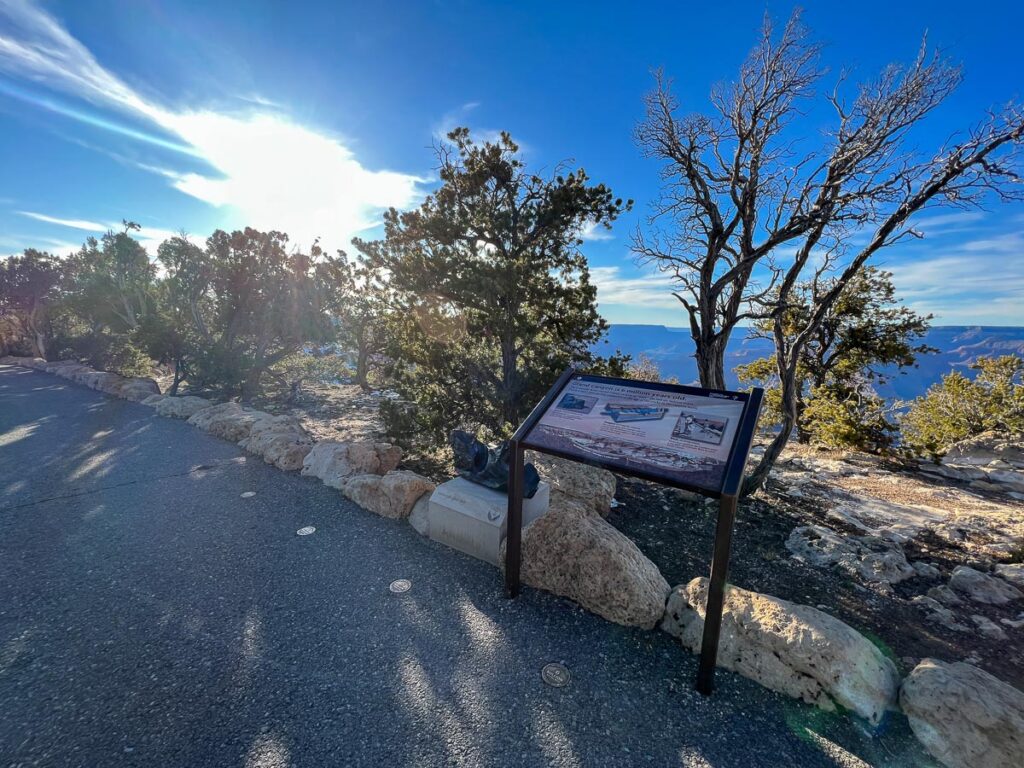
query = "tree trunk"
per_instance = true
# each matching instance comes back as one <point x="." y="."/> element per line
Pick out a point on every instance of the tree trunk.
<point x="179" y="376"/>
<point x="710" y="356"/>
<point x="251" y="384"/>
<point x="362" y="367"/>
<point x="36" y="337"/>
<point x="757" y="478"/>
<point x="790" y="412"/>
<point x="509" y="383"/>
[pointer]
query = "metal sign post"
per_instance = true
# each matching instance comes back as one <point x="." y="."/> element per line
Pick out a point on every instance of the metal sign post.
<point x="695" y="457"/>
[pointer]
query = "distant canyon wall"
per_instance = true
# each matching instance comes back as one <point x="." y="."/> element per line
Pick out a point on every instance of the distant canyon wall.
<point x="958" y="345"/>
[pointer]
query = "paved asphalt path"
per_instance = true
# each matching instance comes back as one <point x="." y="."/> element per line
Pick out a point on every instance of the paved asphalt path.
<point x="151" y="616"/>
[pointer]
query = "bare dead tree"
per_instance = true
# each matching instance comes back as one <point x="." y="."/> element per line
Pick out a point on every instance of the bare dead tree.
<point x="963" y="174"/>
<point x="736" y="191"/>
<point x="727" y="188"/>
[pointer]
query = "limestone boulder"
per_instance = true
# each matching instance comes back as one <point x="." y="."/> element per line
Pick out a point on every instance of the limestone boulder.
<point x="572" y="552"/>
<point x="336" y="462"/>
<point x="228" y="421"/>
<point x="593" y="486"/>
<point x="65" y="368"/>
<point x="964" y="717"/>
<point x="280" y="440"/>
<point x="871" y="558"/>
<point x="794" y="649"/>
<point x="986" y="448"/>
<point x="965" y="473"/>
<point x="153" y="400"/>
<point x="1007" y="479"/>
<point x="982" y="588"/>
<point x="182" y="407"/>
<point x="392" y="495"/>
<point x="1012" y="572"/>
<point x="136" y="389"/>
<point x="101" y="381"/>
<point x="25" y="362"/>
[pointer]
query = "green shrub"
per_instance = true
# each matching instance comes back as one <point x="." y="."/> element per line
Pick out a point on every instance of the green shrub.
<point x="959" y="408"/>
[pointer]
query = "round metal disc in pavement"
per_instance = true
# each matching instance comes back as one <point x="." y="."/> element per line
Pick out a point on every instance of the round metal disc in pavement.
<point x="400" y="585"/>
<point x="305" y="531"/>
<point x="555" y="675"/>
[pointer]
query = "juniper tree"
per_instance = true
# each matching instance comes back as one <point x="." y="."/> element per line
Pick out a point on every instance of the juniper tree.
<point x="866" y="337"/>
<point x="29" y="284"/>
<point x="493" y="293"/>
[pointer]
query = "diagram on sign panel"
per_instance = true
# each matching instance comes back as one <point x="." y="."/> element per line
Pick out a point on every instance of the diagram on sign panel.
<point x="625" y="412"/>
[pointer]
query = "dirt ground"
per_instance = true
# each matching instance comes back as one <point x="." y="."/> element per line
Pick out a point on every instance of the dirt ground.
<point x="677" y="534"/>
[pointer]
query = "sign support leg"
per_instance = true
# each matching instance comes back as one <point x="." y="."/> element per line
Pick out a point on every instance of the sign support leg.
<point x="716" y="594"/>
<point x="514" y="536"/>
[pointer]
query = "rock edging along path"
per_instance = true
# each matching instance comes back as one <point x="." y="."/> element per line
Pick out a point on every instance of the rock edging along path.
<point x="784" y="646"/>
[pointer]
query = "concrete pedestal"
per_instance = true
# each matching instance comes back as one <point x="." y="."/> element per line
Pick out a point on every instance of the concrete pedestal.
<point x="472" y="519"/>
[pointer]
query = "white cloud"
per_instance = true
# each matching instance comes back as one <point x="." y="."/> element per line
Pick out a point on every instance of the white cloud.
<point x="84" y="224"/>
<point x="976" y="282"/>
<point x="459" y="118"/>
<point x="267" y="171"/>
<point x="947" y="223"/>
<point x="644" y="290"/>
<point x="149" y="237"/>
<point x="592" y="231"/>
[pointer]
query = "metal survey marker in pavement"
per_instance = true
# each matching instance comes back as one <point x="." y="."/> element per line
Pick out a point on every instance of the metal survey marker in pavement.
<point x="686" y="437"/>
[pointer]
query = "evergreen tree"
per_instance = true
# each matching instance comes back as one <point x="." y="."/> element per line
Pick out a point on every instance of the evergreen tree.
<point x="864" y="335"/>
<point x="960" y="407"/>
<point x="493" y="294"/>
<point x="29" y="284"/>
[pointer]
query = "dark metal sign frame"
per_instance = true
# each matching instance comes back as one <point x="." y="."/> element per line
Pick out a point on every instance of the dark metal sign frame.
<point x="727" y="497"/>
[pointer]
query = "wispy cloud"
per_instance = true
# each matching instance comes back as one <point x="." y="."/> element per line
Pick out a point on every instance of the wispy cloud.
<point x="266" y="170"/>
<point x="149" y="237"/>
<point x="640" y="290"/>
<point x="83" y="224"/>
<point x="463" y="117"/>
<point x="979" y="281"/>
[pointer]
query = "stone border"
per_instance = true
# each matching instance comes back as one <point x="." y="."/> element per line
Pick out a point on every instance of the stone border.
<point x="571" y="551"/>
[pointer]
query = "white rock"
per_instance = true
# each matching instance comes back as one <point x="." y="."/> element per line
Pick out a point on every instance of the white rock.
<point x="939" y="613"/>
<point x="419" y="517"/>
<point x="181" y="407"/>
<point x="280" y="440"/>
<point x="988" y="628"/>
<point x="335" y="462"/>
<point x="871" y="558"/>
<point x="228" y="421"/>
<point x="964" y="717"/>
<point x="571" y="551"/>
<point x="925" y="570"/>
<point x="1012" y="572"/>
<point x="982" y="588"/>
<point x="394" y="495"/>
<point x="594" y="486"/>
<point x="794" y="649"/>
<point x="1012" y="479"/>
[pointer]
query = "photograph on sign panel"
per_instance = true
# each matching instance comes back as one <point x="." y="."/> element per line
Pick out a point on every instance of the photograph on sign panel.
<point x="680" y="436"/>
<point x="694" y="426"/>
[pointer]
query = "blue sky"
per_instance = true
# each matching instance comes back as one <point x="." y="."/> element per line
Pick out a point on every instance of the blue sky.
<point x="311" y="117"/>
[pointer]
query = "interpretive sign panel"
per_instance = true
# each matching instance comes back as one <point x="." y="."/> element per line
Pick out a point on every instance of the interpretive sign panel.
<point x="687" y="437"/>
<point x="682" y="435"/>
